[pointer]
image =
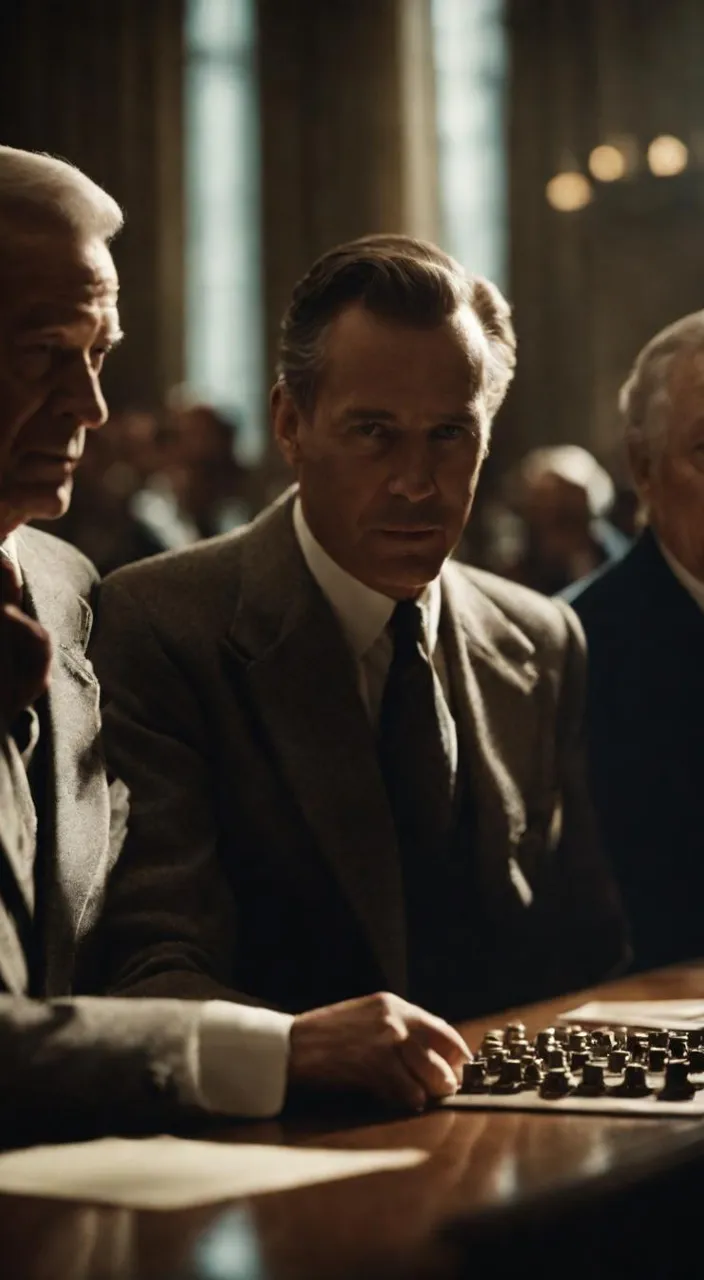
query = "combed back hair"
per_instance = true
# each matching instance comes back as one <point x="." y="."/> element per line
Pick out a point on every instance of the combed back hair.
<point x="38" y="190"/>
<point x="645" y="397"/>
<point x="396" y="278"/>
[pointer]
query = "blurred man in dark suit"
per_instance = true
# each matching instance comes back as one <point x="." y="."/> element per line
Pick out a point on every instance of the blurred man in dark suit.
<point x="354" y="764"/>
<point x="108" y="1062"/>
<point x="644" y="619"/>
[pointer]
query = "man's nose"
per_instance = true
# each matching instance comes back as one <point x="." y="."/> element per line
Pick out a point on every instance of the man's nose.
<point x="81" y="396"/>
<point x="412" y="475"/>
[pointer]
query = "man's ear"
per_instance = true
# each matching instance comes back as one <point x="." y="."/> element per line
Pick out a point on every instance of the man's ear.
<point x="286" y="421"/>
<point x="640" y="458"/>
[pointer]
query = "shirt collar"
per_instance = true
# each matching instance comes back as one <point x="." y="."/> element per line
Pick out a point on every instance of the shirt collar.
<point x="9" y="548"/>
<point x="362" y="613"/>
<point x="691" y="584"/>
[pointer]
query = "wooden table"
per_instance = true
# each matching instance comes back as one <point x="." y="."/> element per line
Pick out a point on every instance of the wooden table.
<point x="382" y="1224"/>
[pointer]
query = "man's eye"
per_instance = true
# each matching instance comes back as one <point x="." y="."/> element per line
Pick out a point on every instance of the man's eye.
<point x="371" y="430"/>
<point x="448" y="431"/>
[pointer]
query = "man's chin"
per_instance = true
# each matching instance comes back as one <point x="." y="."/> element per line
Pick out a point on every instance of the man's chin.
<point x="34" y="502"/>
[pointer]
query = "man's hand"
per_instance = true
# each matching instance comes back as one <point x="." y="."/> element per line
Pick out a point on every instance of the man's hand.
<point x="380" y="1044"/>
<point x="25" y="650"/>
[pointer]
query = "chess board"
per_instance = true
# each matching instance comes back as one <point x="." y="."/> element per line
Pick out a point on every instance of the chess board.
<point x="624" y="1071"/>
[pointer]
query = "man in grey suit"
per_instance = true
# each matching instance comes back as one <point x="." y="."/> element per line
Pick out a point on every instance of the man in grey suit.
<point x="354" y="764"/>
<point x="109" y="1062"/>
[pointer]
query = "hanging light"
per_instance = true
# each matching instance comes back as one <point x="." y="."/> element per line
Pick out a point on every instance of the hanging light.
<point x="667" y="156"/>
<point x="607" y="163"/>
<point x="569" y="191"/>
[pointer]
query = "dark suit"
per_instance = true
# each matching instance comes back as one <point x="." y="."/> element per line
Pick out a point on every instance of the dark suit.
<point x="262" y="854"/>
<point x="71" y="1062"/>
<point x="646" y="743"/>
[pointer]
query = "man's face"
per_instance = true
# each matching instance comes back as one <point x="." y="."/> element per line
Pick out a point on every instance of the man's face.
<point x="670" y="479"/>
<point x="388" y="459"/>
<point x="58" y="320"/>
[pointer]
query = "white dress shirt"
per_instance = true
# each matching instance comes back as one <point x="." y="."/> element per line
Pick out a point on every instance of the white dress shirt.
<point x="686" y="579"/>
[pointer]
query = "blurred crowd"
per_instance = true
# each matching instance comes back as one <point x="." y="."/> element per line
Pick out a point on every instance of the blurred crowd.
<point x="155" y="481"/>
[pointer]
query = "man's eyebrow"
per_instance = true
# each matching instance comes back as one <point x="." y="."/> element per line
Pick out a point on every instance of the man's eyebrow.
<point x="367" y="415"/>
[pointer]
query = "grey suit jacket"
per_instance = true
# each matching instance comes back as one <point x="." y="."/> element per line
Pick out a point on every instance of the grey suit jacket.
<point x="68" y="1063"/>
<point x="261" y="855"/>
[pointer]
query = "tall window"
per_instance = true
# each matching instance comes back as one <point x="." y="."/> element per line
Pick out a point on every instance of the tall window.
<point x="224" y="344"/>
<point x="470" y="47"/>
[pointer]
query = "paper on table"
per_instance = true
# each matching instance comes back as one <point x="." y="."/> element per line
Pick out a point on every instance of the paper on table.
<point x="177" y="1173"/>
<point x="683" y="1015"/>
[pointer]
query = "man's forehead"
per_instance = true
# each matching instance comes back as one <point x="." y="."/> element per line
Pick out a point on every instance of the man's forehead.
<point x="57" y="274"/>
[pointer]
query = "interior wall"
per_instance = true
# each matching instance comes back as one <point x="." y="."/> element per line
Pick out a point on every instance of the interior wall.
<point x="590" y="287"/>
<point x="99" y="82"/>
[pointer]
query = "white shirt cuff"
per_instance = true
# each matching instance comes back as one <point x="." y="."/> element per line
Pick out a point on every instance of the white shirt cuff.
<point x="240" y="1065"/>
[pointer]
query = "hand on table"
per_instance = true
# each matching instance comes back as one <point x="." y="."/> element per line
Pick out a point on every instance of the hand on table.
<point x="380" y="1044"/>
<point x="25" y="650"/>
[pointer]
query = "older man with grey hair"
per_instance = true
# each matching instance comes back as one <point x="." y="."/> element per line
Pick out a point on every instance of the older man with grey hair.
<point x="109" y="1062"/>
<point x="644" y="620"/>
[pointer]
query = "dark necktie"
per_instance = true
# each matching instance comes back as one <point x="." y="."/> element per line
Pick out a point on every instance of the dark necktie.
<point x="414" y="746"/>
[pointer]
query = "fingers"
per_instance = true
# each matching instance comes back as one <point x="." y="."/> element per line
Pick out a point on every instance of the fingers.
<point x="10" y="591"/>
<point x="436" y="1077"/>
<point x="439" y="1035"/>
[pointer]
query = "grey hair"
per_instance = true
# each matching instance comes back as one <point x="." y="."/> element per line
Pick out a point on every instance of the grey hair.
<point x="645" y="399"/>
<point x="574" y="465"/>
<point x="37" y="188"/>
<point x="398" y="278"/>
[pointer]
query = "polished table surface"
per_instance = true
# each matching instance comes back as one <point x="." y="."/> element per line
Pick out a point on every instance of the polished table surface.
<point x="377" y="1224"/>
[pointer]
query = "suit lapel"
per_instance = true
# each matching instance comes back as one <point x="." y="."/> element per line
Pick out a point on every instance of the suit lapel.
<point x="302" y="679"/>
<point x="492" y="676"/>
<point x="16" y="846"/>
<point x="76" y="801"/>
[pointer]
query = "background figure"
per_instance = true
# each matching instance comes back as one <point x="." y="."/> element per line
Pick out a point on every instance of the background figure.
<point x="561" y="499"/>
<point x="644" y="620"/>
<point x="200" y="488"/>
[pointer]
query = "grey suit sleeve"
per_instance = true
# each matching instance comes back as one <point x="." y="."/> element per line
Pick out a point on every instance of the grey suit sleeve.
<point x="584" y="921"/>
<point x="93" y="1064"/>
<point x="167" y="927"/>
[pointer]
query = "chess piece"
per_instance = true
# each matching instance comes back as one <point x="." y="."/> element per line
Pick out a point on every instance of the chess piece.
<point x="557" y="1083"/>
<point x="533" y="1073"/>
<point x="657" y="1058"/>
<point x="557" y="1059"/>
<point x="514" y="1031"/>
<point x="545" y="1041"/>
<point x="578" y="1058"/>
<point x="495" y="1060"/>
<point x="577" y="1041"/>
<point x="635" y="1083"/>
<point x="696" y="1059"/>
<point x="618" y="1059"/>
<point x="678" y="1087"/>
<point x="562" y="1035"/>
<point x="510" y="1077"/>
<point x="621" y="1037"/>
<point x="658" y="1039"/>
<point x="593" y="1083"/>
<point x="678" y="1046"/>
<point x="474" y="1077"/>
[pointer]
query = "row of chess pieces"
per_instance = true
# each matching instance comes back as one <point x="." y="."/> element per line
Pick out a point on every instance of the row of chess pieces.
<point x="616" y="1061"/>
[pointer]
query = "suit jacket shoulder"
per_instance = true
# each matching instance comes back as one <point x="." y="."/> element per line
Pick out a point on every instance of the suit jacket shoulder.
<point x="70" y="565"/>
<point x="549" y="624"/>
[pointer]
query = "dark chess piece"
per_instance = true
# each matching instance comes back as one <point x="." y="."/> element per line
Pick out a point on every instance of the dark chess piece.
<point x="593" y="1083"/>
<point x="545" y="1041"/>
<point x="510" y="1078"/>
<point x="557" y="1059"/>
<point x="657" y="1059"/>
<point x="696" y="1038"/>
<point x="474" y="1077"/>
<point x="562" y="1036"/>
<point x="606" y="1041"/>
<point x="621" y="1036"/>
<point x="578" y="1058"/>
<point x="514" y="1031"/>
<point x="533" y="1073"/>
<point x="557" y="1083"/>
<point x="495" y="1060"/>
<point x="678" y="1087"/>
<point x="577" y="1042"/>
<point x="658" y="1039"/>
<point x="678" y="1046"/>
<point x="635" y="1082"/>
<point x="618" y="1058"/>
<point x="696" y="1060"/>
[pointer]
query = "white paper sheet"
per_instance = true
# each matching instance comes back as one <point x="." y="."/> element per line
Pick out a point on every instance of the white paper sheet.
<point x="680" y="1015"/>
<point x="177" y="1173"/>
